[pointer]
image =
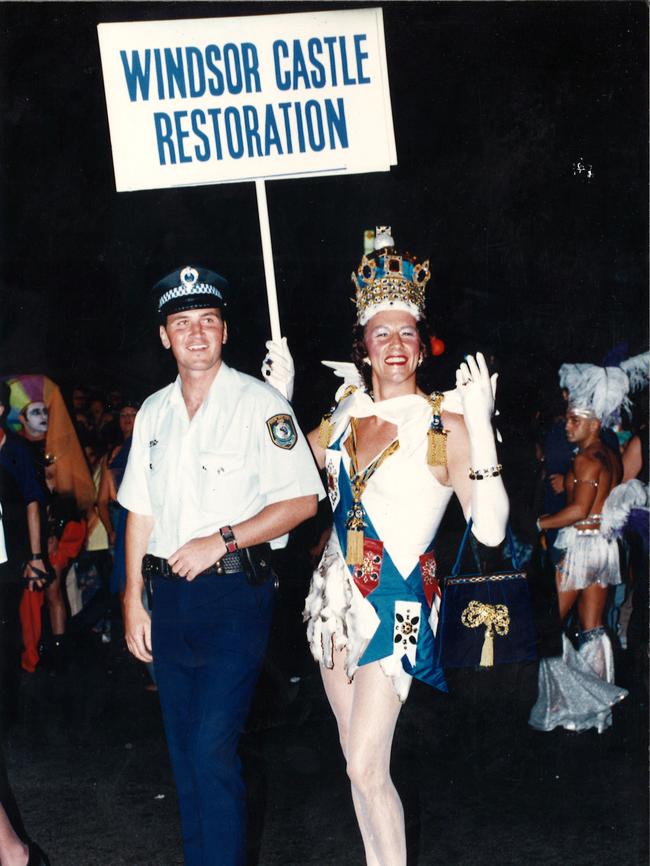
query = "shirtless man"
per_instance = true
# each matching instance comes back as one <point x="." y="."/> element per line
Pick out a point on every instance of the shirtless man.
<point x="576" y="690"/>
<point x="590" y="562"/>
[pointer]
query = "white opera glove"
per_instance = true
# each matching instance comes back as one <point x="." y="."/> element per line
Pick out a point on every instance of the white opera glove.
<point x="277" y="367"/>
<point x="489" y="501"/>
<point x="477" y="390"/>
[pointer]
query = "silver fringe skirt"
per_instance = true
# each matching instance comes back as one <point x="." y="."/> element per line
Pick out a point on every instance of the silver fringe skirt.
<point x="588" y="557"/>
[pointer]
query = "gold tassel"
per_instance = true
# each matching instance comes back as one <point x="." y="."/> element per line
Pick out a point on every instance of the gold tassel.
<point x="354" y="555"/>
<point x="325" y="431"/>
<point x="487" y="652"/>
<point x="436" y="447"/>
<point x="495" y="617"/>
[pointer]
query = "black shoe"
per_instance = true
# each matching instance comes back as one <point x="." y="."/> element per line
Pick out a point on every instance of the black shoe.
<point x="36" y="856"/>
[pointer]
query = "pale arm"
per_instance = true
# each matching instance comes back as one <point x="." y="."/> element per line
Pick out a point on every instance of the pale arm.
<point x="632" y="459"/>
<point x="106" y="494"/>
<point x="271" y="522"/>
<point x="137" y="622"/>
<point x="316" y="448"/>
<point x="34" y="533"/>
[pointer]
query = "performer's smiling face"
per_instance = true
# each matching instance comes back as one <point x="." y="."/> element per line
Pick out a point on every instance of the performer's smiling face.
<point x="393" y="345"/>
<point x="195" y="338"/>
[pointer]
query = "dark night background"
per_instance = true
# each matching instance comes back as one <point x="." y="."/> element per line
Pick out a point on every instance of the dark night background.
<point x="494" y="105"/>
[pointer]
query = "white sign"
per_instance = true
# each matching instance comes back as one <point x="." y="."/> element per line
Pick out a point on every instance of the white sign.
<point x="218" y="100"/>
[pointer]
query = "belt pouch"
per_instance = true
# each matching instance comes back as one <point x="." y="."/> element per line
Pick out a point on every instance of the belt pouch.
<point x="257" y="563"/>
<point x="147" y="577"/>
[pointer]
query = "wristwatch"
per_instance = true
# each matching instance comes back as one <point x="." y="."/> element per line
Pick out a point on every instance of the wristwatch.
<point x="229" y="538"/>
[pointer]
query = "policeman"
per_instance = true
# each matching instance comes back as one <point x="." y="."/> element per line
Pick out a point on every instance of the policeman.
<point x="218" y="468"/>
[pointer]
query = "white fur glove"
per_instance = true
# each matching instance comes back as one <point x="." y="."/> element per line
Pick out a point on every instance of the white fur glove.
<point x="277" y="367"/>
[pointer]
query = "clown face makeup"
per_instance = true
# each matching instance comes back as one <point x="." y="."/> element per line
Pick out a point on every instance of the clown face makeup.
<point x="35" y="415"/>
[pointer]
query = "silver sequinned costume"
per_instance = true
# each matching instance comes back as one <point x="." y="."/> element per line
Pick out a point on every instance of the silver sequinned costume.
<point x="589" y="557"/>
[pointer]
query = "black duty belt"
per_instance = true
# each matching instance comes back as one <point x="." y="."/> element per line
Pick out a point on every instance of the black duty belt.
<point x="254" y="562"/>
<point x="155" y="566"/>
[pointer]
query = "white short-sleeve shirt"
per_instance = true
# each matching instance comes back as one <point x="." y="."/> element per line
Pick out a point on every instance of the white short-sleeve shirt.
<point x="242" y="450"/>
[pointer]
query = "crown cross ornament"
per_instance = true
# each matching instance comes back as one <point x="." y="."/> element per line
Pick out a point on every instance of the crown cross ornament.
<point x="388" y="279"/>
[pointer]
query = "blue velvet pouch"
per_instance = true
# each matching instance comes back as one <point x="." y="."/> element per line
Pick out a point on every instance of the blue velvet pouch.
<point x="486" y="619"/>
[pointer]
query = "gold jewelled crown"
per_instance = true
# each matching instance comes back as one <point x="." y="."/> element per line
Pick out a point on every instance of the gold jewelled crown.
<point x="388" y="278"/>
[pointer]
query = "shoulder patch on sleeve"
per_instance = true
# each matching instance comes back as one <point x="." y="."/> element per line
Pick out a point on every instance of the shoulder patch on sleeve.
<point x="282" y="431"/>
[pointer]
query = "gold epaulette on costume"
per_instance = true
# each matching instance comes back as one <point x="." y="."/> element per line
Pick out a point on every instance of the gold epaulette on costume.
<point x="436" y="434"/>
<point x="326" y="427"/>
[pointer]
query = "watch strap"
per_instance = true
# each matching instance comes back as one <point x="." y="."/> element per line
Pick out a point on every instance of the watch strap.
<point x="229" y="538"/>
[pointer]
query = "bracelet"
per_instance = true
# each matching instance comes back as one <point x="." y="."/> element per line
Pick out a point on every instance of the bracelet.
<point x="229" y="538"/>
<point x="35" y="556"/>
<point x="539" y="525"/>
<point x="480" y="474"/>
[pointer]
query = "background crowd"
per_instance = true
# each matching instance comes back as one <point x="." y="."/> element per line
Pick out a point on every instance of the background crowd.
<point x="51" y="613"/>
<point x="90" y="558"/>
<point x="537" y="456"/>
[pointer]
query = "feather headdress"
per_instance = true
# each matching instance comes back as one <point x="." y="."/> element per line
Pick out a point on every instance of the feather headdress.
<point x="602" y="392"/>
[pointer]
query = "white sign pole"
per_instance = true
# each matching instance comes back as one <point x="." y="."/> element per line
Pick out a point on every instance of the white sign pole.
<point x="267" y="252"/>
<point x="228" y="100"/>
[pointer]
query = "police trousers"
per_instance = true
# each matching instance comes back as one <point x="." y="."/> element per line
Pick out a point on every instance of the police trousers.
<point x="209" y="638"/>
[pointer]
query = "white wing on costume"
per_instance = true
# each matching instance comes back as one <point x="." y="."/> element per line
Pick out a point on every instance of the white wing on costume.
<point x="346" y="371"/>
<point x="636" y="369"/>
<point x="622" y="499"/>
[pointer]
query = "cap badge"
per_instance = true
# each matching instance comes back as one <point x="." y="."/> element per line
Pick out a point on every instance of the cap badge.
<point x="189" y="276"/>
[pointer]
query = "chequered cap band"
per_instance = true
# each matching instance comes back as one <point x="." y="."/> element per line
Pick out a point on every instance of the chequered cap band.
<point x="194" y="289"/>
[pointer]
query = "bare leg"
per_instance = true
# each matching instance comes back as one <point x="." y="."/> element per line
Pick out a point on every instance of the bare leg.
<point x="591" y="606"/>
<point x="366" y="712"/>
<point x="56" y="605"/>
<point x="565" y="598"/>
<point x="13" y="852"/>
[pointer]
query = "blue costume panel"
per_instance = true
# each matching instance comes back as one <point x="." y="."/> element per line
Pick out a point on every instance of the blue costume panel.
<point x="385" y="607"/>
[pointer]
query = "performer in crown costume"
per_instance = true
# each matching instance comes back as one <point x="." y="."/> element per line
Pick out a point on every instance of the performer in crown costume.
<point x="393" y="456"/>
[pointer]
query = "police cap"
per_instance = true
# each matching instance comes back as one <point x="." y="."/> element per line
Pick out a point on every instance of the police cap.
<point x="189" y="288"/>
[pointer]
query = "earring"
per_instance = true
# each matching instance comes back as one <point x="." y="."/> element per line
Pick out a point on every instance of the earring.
<point x="366" y="360"/>
<point x="420" y="360"/>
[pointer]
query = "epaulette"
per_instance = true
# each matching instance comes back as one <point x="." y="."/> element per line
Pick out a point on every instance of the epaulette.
<point x="436" y="434"/>
<point x="326" y="426"/>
